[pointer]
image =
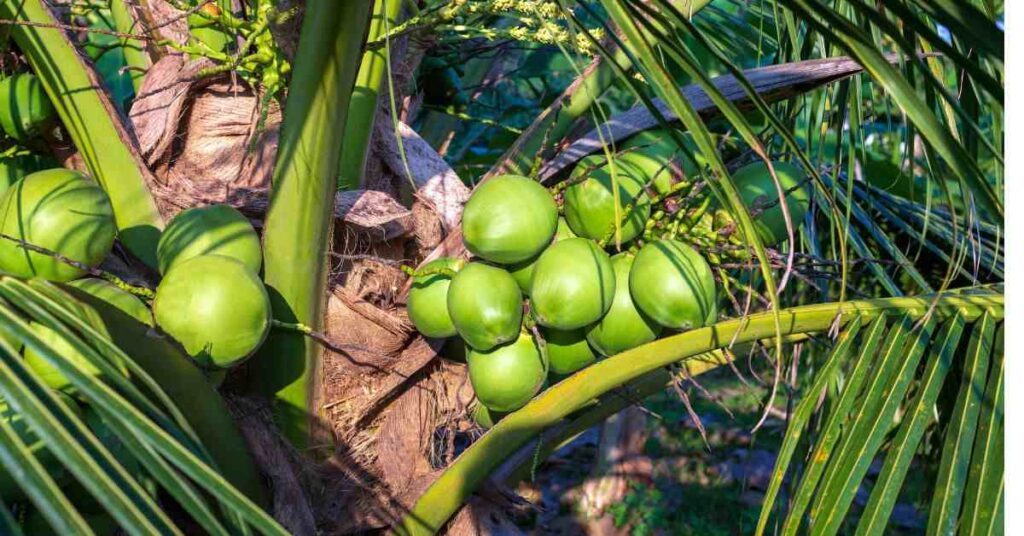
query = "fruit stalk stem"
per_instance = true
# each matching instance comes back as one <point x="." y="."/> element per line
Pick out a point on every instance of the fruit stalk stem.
<point x="298" y="227"/>
<point x="95" y="272"/>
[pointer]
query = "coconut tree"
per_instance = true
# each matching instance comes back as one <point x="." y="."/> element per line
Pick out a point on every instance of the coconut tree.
<point x="836" y="166"/>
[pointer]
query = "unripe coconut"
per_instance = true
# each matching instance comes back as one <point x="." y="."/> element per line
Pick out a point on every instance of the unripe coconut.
<point x="24" y="106"/>
<point x="590" y="205"/>
<point x="14" y="168"/>
<point x="509" y="219"/>
<point x="573" y="284"/>
<point x="507" y="377"/>
<point x="654" y="156"/>
<point x="568" y="351"/>
<point x="624" y="326"/>
<point x="485" y="305"/>
<point x="216" y="307"/>
<point x="60" y="210"/>
<point x="428" y="300"/>
<point x="673" y="284"/>
<point x="47" y="372"/>
<point x="757" y="189"/>
<point x="523" y="271"/>
<point x="212" y="230"/>
<point x="120" y="299"/>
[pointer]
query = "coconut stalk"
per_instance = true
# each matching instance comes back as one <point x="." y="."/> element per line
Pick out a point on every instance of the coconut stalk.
<point x="297" y="231"/>
<point x="444" y="497"/>
<point x="362" y="108"/>
<point x="92" y="121"/>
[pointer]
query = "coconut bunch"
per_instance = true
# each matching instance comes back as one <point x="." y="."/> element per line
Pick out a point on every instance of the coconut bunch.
<point x="552" y="287"/>
<point x="58" y="225"/>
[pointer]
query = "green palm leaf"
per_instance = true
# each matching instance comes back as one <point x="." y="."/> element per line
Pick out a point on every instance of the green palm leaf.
<point x="161" y="438"/>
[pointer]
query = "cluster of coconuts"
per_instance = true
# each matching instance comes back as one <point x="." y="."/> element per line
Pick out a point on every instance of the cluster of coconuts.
<point x="532" y="269"/>
<point x="210" y="299"/>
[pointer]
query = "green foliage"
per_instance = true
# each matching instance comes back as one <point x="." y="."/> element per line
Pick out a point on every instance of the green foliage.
<point x="155" y="404"/>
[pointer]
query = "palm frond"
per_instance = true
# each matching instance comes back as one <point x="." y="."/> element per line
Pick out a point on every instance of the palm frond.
<point x="191" y="450"/>
<point x="641" y="372"/>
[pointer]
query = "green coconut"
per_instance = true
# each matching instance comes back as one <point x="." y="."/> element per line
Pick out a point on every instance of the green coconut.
<point x="428" y="300"/>
<point x="573" y="285"/>
<point x="590" y="205"/>
<point x="654" y="156"/>
<point x="568" y="351"/>
<point x="24" y="107"/>
<point x="60" y="210"/>
<point x="212" y="230"/>
<point x="9" y="487"/>
<point x="16" y="167"/>
<point x="124" y="301"/>
<point x="624" y="326"/>
<point x="523" y="271"/>
<point x="47" y="372"/>
<point x="507" y="377"/>
<point x="216" y="307"/>
<point x="672" y="284"/>
<point x="758" y="190"/>
<point x="485" y="305"/>
<point x="509" y="219"/>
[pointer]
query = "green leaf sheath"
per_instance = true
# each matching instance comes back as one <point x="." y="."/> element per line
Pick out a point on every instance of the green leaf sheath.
<point x="92" y="122"/>
<point x="298" y="226"/>
<point x="362" y="107"/>
<point x="458" y="481"/>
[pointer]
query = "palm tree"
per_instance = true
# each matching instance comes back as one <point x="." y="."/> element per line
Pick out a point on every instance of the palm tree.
<point x="892" y="280"/>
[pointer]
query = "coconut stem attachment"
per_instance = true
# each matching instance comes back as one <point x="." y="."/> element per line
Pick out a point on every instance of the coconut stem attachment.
<point x="425" y="272"/>
<point x="143" y="292"/>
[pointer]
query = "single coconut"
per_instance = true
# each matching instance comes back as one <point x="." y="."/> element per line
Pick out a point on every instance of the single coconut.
<point x="573" y="285"/>
<point x="485" y="305"/>
<point x="509" y="219"/>
<point x="59" y="210"/>
<point x="212" y="230"/>
<point x="24" y="107"/>
<point x="759" y="193"/>
<point x="623" y="326"/>
<point x="568" y="351"/>
<point x="673" y="284"/>
<point x="592" y="208"/>
<point x="507" y="377"/>
<point x="216" y="307"/>
<point x="428" y="300"/>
